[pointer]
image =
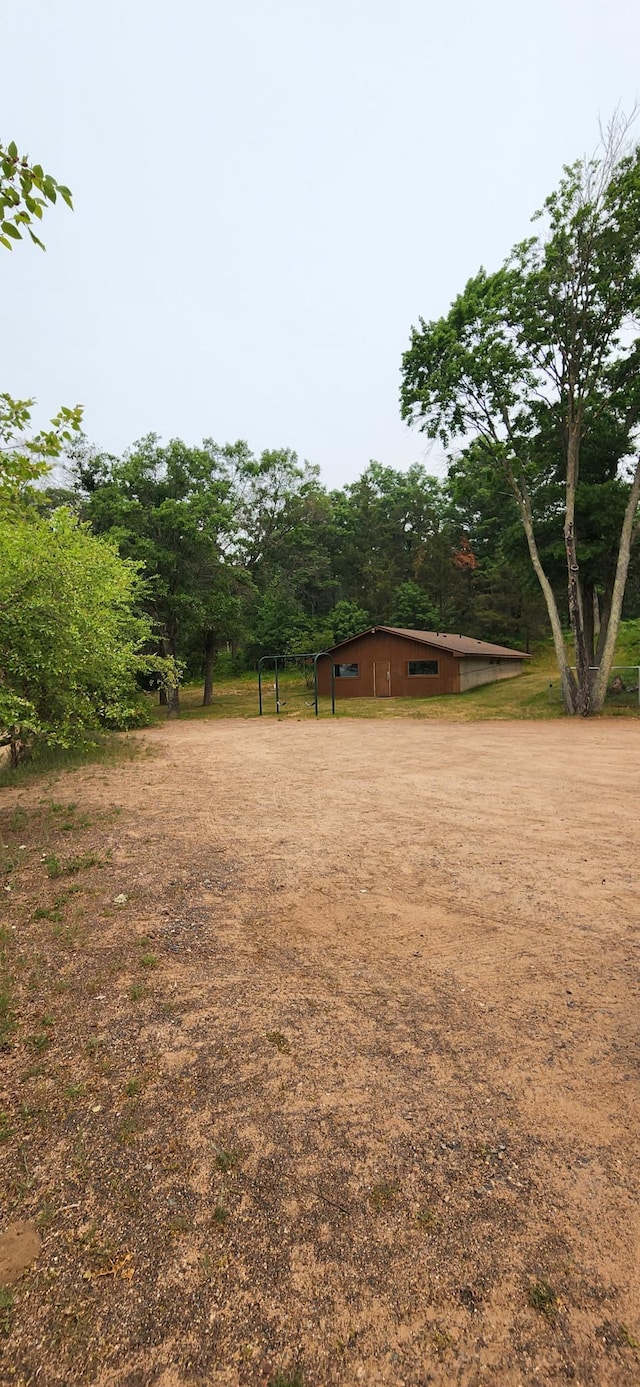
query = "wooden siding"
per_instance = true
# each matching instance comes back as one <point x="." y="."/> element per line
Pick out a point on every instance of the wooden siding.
<point x="396" y="651"/>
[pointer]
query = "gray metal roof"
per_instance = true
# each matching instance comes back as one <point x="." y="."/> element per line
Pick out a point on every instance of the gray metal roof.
<point x="442" y="640"/>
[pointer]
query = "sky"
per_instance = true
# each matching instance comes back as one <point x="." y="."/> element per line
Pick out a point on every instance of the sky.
<point x="269" y="193"/>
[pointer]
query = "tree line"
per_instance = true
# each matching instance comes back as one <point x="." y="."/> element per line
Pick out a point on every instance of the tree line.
<point x="252" y="555"/>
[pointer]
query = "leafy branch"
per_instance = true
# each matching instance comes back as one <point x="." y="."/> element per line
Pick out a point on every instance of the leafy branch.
<point x="25" y="190"/>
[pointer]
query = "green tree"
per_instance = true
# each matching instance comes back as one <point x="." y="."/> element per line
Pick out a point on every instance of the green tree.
<point x="169" y="508"/>
<point x="392" y="528"/>
<point x="25" y="190"/>
<point x="283" y="520"/>
<point x="550" y="342"/>
<point x="26" y="456"/>
<point x="347" y="619"/>
<point x="283" y="517"/>
<point x="508" y="606"/>
<point x="71" y="644"/>
<point x="413" y="609"/>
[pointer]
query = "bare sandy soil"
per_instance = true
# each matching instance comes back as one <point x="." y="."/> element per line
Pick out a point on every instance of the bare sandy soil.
<point x="345" y="1090"/>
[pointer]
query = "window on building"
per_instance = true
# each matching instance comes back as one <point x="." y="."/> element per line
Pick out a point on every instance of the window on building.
<point x="422" y="667"/>
<point x="346" y="671"/>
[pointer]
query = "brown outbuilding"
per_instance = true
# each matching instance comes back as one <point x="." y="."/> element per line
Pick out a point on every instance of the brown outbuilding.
<point x="389" y="661"/>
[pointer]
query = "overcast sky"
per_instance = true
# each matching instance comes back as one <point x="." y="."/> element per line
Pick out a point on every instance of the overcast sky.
<point x="269" y="192"/>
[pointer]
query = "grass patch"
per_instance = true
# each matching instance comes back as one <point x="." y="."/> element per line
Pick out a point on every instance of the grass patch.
<point x="73" y="865"/>
<point x="382" y="1196"/>
<point x="107" y="749"/>
<point x="54" y="912"/>
<point x="179" y="1224"/>
<point x="6" y="1130"/>
<point x="149" y="961"/>
<point x="130" y="1128"/>
<point x="226" y="1161"/>
<point x="7" y="1019"/>
<point x="542" y="1297"/>
<point x="6" y="1310"/>
<point x="235" y="697"/>
<point x="294" y="1379"/>
<point x="53" y="866"/>
<point x="427" y="1218"/>
<point x="280" y="1041"/>
<point x="137" y="991"/>
<point x="39" y="1042"/>
<point x="440" y="1339"/>
<point x="534" y="694"/>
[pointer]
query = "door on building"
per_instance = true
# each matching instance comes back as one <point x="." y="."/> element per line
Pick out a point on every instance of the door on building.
<point x="381" y="679"/>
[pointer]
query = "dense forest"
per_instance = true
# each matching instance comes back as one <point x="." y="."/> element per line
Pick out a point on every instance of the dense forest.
<point x="251" y="555"/>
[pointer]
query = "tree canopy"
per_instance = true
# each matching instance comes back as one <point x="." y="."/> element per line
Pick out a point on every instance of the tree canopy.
<point x="540" y="363"/>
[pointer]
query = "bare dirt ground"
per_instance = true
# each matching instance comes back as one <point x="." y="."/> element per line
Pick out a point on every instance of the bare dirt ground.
<point x="327" y="1072"/>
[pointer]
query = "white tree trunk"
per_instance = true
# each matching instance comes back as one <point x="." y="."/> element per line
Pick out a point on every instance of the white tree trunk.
<point x="567" y="680"/>
<point x="622" y="567"/>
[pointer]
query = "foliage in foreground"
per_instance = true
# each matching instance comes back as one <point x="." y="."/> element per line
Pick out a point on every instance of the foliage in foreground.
<point x="25" y="190"/>
<point x="71" y="643"/>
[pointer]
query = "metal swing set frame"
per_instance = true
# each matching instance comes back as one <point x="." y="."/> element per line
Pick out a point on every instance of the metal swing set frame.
<point x="279" y="663"/>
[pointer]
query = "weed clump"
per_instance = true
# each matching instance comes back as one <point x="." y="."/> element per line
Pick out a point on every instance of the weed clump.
<point x="382" y="1196"/>
<point x="7" y="1019"/>
<point x="226" y="1161"/>
<point x="73" y="865"/>
<point x="6" y="1308"/>
<point x="543" y="1298"/>
<point x="294" y="1379"/>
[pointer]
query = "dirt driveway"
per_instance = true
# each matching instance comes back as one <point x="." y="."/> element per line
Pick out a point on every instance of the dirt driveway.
<point x="341" y="1073"/>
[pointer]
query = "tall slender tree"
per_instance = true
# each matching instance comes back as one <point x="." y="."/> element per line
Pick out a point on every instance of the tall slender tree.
<point x="552" y="336"/>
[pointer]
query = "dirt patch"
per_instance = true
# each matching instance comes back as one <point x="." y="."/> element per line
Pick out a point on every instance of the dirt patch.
<point x="19" y="1247"/>
<point x="321" y="1059"/>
